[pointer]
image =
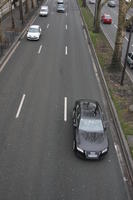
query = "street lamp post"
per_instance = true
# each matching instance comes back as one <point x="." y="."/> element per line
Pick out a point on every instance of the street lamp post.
<point x="125" y="61"/>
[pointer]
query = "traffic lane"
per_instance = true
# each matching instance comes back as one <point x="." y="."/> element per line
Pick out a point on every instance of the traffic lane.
<point x="112" y="12"/>
<point x="23" y="138"/>
<point x="84" y="78"/>
<point x="15" y="72"/>
<point x="32" y="172"/>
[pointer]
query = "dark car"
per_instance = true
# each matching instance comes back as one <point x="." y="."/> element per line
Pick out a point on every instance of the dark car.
<point x="129" y="27"/>
<point x="60" y="8"/>
<point x="112" y="3"/>
<point x="130" y="60"/>
<point x="90" y="137"/>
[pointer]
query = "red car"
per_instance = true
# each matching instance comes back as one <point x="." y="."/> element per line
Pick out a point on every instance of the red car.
<point x="106" y="19"/>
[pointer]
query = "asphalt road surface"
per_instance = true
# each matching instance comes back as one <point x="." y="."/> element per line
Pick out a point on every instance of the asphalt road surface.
<point x="38" y="88"/>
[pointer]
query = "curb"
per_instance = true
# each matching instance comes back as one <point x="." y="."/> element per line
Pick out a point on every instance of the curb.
<point x="120" y="134"/>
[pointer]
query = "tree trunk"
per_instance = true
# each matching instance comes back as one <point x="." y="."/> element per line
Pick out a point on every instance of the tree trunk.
<point x="21" y="11"/>
<point x="84" y="3"/>
<point x="33" y="3"/>
<point x="116" y="59"/>
<point x="97" y="16"/>
<point x="1" y="33"/>
<point x="27" y="6"/>
<point x="12" y="17"/>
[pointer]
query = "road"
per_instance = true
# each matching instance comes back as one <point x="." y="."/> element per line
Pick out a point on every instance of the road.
<point x="110" y="30"/>
<point x="38" y="87"/>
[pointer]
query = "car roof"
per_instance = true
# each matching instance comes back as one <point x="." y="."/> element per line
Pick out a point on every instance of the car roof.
<point x="42" y="7"/>
<point x="34" y="26"/>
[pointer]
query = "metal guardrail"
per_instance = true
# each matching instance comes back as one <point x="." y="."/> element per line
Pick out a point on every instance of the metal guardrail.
<point x="123" y="143"/>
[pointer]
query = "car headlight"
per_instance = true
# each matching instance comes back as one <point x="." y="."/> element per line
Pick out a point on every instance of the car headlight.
<point x="81" y="150"/>
<point x="105" y="150"/>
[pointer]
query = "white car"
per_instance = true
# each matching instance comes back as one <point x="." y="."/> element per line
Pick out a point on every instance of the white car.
<point x="34" y="32"/>
<point x="92" y="1"/>
<point x="60" y="2"/>
<point x="43" y="11"/>
<point x="130" y="60"/>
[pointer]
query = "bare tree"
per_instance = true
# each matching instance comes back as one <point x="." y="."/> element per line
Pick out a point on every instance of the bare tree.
<point x="21" y="11"/>
<point x="98" y="6"/>
<point x="33" y="3"/>
<point x="12" y="18"/>
<point x="27" y="6"/>
<point x="124" y="6"/>
<point x="1" y="32"/>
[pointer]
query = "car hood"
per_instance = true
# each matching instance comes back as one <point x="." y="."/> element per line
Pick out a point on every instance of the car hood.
<point x="29" y="34"/>
<point x="43" y="12"/>
<point x="91" y="141"/>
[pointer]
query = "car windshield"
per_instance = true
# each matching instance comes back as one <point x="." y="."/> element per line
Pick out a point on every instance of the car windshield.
<point x="44" y="9"/>
<point x="91" y="125"/>
<point x="33" y="30"/>
<point x="107" y="16"/>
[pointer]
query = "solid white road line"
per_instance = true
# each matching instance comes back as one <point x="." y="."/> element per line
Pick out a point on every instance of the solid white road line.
<point x="47" y="25"/>
<point x="66" y="26"/>
<point x="126" y="38"/>
<point x="20" y="106"/>
<point x="85" y="34"/>
<point x="7" y="59"/>
<point x="65" y="109"/>
<point x="115" y="26"/>
<point x="66" y="50"/>
<point x="40" y="48"/>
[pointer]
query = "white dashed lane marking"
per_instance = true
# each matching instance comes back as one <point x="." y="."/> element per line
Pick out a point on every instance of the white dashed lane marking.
<point x="20" y="106"/>
<point x="40" y="48"/>
<point x="65" y="109"/>
<point x="66" y="50"/>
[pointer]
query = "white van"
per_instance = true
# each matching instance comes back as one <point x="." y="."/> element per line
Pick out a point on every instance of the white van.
<point x="43" y="11"/>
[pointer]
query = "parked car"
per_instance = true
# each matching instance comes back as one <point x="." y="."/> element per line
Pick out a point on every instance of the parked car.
<point x="34" y="32"/>
<point x="112" y="3"/>
<point x="92" y="1"/>
<point x="129" y="27"/>
<point x="90" y="131"/>
<point x="130" y="60"/>
<point x="106" y="19"/>
<point x="44" y="11"/>
<point x="60" y="8"/>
